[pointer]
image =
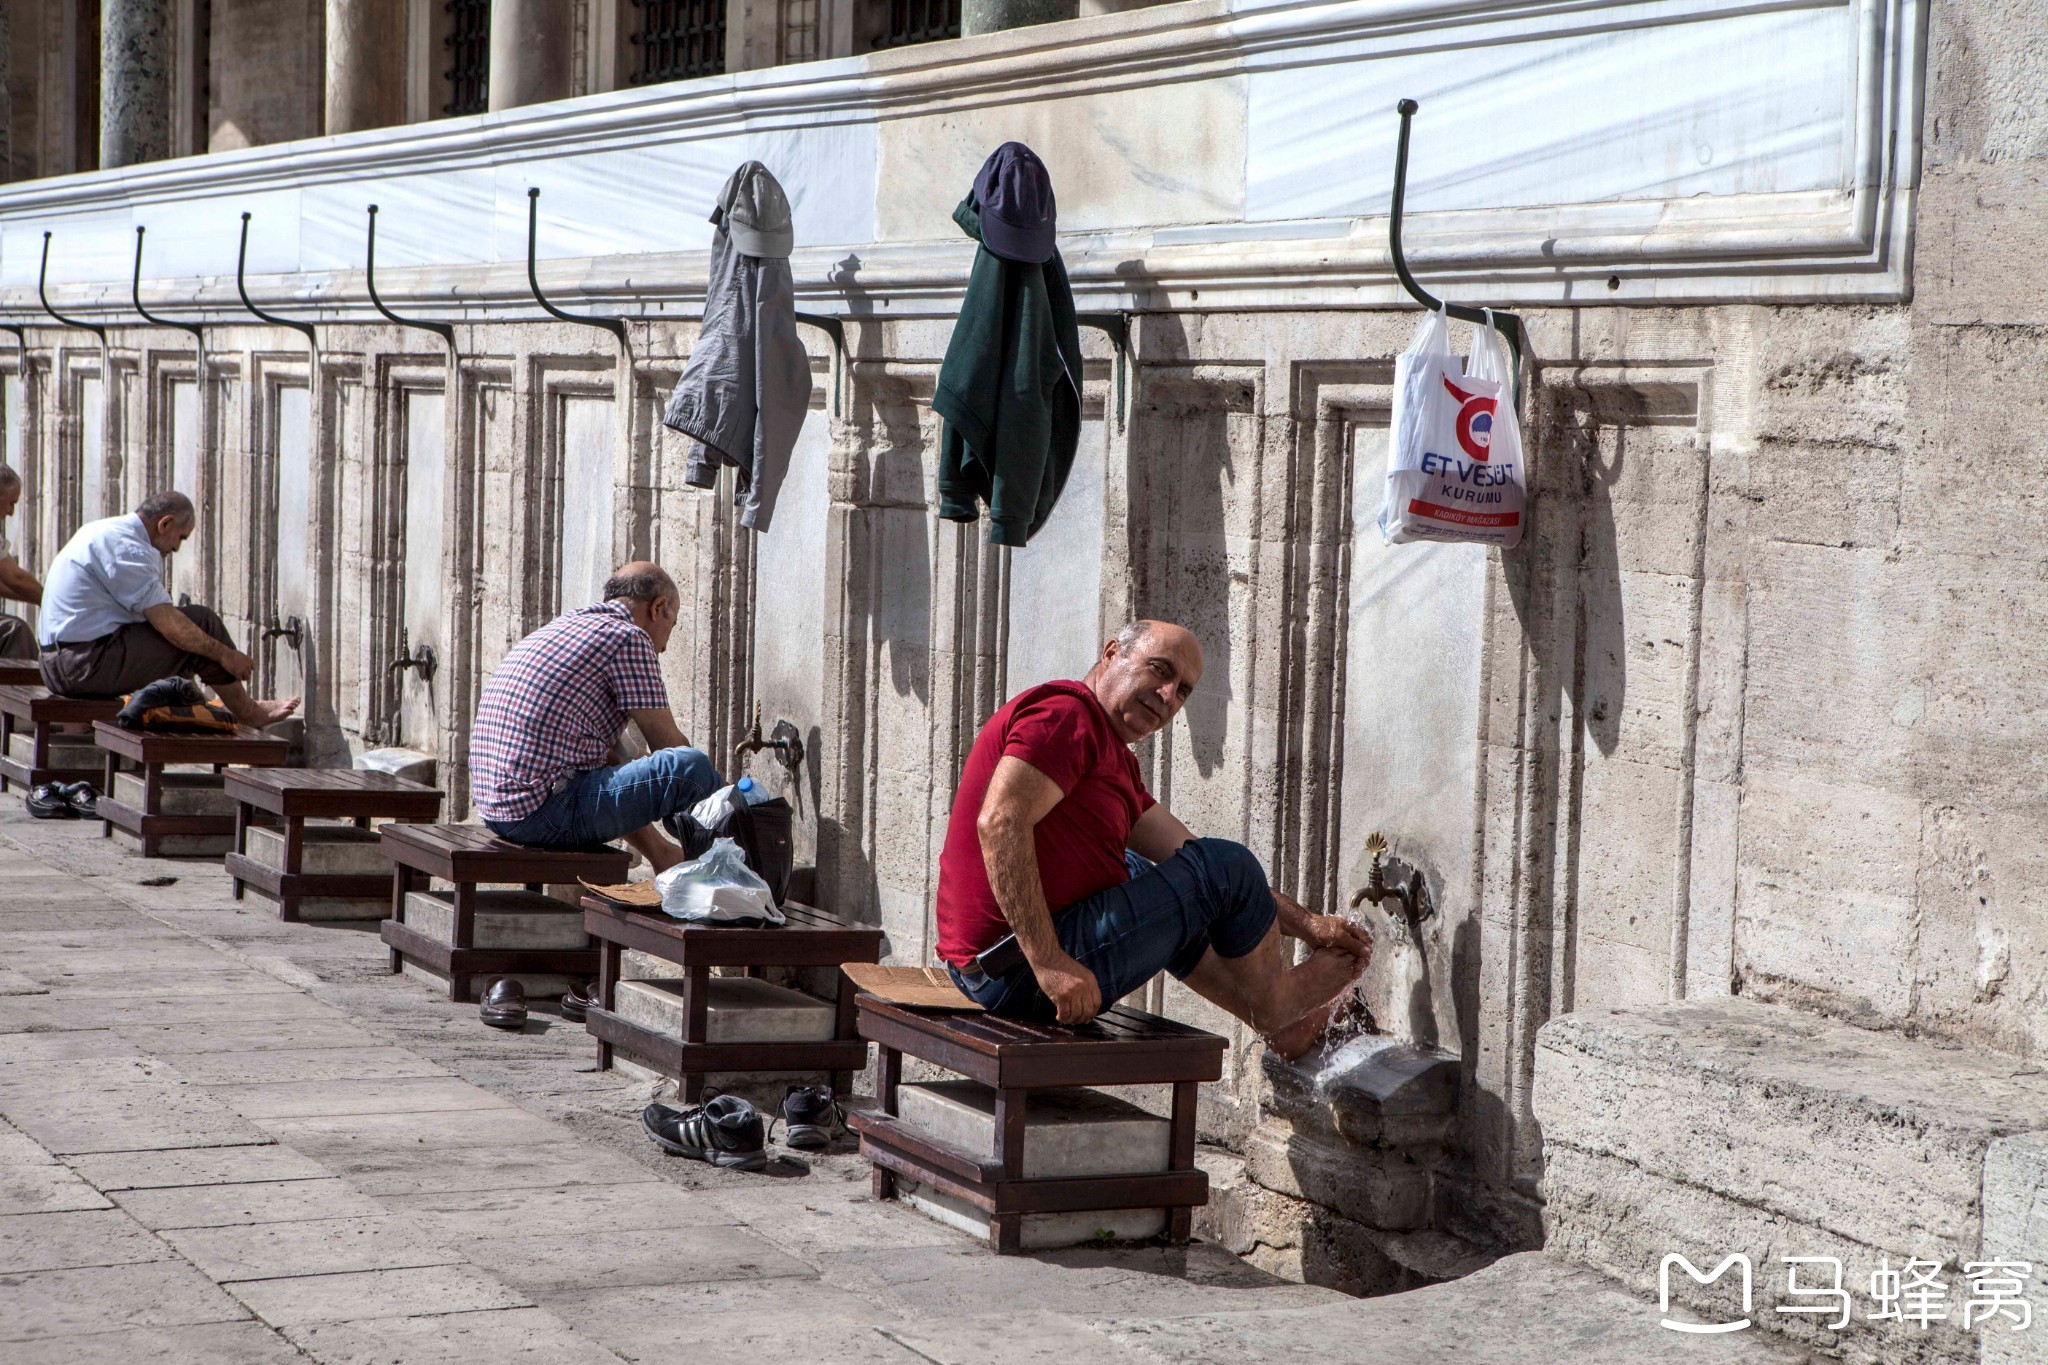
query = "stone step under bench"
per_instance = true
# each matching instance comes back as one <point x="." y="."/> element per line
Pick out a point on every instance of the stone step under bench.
<point x="304" y="837"/>
<point x="506" y="921"/>
<point x="1070" y="1133"/>
<point x="444" y="945"/>
<point x="34" y="722"/>
<point x="740" y="1009"/>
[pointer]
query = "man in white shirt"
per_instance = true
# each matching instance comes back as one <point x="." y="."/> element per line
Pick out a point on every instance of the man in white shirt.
<point x="108" y="627"/>
<point x="17" y="637"/>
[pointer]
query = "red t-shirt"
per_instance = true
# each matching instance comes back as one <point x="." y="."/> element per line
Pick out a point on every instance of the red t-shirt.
<point x="1061" y="730"/>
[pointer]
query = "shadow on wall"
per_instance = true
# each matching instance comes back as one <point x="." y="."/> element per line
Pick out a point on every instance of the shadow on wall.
<point x="1182" y="472"/>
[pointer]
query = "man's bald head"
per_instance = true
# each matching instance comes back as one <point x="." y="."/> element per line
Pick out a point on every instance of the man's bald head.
<point x="650" y="594"/>
<point x="1145" y="675"/>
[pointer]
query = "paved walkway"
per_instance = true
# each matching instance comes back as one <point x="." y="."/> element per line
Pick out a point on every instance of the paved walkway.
<point x="230" y="1140"/>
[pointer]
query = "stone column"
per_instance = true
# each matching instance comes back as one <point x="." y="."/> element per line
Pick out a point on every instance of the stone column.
<point x="135" y="81"/>
<point x="987" y="16"/>
<point x="532" y="42"/>
<point x="365" y="64"/>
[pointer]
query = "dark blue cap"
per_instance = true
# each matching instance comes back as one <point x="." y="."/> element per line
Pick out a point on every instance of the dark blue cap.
<point x="1019" y="221"/>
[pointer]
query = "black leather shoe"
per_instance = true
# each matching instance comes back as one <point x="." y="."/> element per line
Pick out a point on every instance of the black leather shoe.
<point x="46" y="801"/>
<point x="504" y="1005"/>
<point x="82" y="799"/>
<point x="578" y="999"/>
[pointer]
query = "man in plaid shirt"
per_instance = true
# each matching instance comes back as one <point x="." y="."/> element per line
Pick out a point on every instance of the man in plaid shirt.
<point x="539" y="754"/>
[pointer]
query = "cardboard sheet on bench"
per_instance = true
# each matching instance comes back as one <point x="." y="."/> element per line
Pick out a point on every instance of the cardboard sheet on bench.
<point x="919" y="987"/>
<point x="636" y="895"/>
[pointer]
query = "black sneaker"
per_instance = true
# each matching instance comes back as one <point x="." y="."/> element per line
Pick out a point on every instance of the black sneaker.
<point x="725" y="1131"/>
<point x="84" y="801"/>
<point x="810" y="1116"/>
<point x="46" y="801"/>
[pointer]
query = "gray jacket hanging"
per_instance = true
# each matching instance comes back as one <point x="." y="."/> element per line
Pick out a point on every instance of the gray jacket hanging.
<point x="747" y="385"/>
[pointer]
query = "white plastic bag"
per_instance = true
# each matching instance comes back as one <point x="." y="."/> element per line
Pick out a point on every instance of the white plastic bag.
<point x="718" y="888"/>
<point x="1454" y="472"/>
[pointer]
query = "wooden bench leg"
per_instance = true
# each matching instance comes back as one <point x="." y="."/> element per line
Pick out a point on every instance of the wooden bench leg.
<point x="696" y="1017"/>
<point x="609" y="956"/>
<point x="1006" y="1230"/>
<point x="241" y="845"/>
<point x="844" y="1027"/>
<point x="888" y="1072"/>
<point x="401" y="883"/>
<point x="1180" y="1219"/>
<point x="460" y="983"/>
<point x="294" y="855"/>
<point x="113" y="766"/>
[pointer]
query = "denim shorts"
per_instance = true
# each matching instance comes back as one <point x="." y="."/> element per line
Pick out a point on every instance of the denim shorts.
<point x="602" y="804"/>
<point x="1211" y="894"/>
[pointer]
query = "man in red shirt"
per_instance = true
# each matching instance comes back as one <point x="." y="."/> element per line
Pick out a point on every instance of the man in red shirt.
<point x="1053" y="837"/>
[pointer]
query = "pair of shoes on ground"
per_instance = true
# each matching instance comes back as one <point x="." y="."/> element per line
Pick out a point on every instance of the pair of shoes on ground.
<point x="727" y="1131"/>
<point x="504" y="1004"/>
<point x="63" y="801"/>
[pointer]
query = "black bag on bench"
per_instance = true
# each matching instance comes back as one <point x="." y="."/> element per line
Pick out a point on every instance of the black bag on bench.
<point x="765" y="834"/>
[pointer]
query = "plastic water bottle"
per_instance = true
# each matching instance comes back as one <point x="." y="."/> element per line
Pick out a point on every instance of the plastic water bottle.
<point x="749" y="792"/>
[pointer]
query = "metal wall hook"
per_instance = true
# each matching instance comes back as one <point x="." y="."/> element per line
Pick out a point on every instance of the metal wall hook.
<point x="835" y="329"/>
<point x="135" y="288"/>
<point x="1117" y="326"/>
<point x="613" y="325"/>
<point x="1510" y="324"/>
<point x="43" y="293"/>
<point x="242" y="288"/>
<point x="439" y="329"/>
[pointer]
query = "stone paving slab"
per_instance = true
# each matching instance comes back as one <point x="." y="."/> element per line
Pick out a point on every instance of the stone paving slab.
<point x="24" y="1048"/>
<point x="208" y="1035"/>
<point x="303" y="1065"/>
<point x="272" y="1201"/>
<point x="376" y="1294"/>
<point x="397" y="1171"/>
<point x="313" y="1246"/>
<point x="223" y="1343"/>
<point x="53" y="1303"/>
<point x="320" y="1099"/>
<point x="552" y="1262"/>
<point x="581" y="1210"/>
<point x="258" y="1162"/>
<point x="750" y="1320"/>
<point x="68" y="1241"/>
<point x="46" y="1189"/>
<point x="504" y="1336"/>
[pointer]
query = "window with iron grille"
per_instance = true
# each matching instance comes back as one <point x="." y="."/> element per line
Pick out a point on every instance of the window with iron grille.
<point x="679" y="39"/>
<point x="920" y="21"/>
<point x="469" y="56"/>
<point x="799" y="30"/>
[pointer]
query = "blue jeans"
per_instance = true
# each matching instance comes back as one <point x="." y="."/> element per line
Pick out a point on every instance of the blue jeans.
<point x="1210" y="894"/>
<point x="607" y="803"/>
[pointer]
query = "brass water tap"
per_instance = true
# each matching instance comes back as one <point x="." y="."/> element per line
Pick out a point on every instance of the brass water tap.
<point x="783" y="739"/>
<point x="1412" y="895"/>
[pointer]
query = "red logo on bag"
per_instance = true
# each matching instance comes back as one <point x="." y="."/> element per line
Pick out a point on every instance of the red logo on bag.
<point x="1475" y="420"/>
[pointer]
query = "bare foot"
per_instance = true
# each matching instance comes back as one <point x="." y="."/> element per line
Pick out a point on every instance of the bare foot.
<point x="1303" y="1034"/>
<point x="262" y="713"/>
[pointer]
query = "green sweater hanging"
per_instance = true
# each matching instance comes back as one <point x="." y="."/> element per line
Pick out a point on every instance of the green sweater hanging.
<point x="1009" y="391"/>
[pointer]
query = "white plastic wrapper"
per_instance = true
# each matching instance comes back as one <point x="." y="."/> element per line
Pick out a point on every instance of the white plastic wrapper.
<point x="718" y="888"/>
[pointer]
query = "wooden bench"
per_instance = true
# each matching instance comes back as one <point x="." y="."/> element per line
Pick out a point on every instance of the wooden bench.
<point x="152" y="752"/>
<point x="1122" y="1046"/>
<point x="16" y="673"/>
<point x="469" y="856"/>
<point x="811" y="938"/>
<point x="290" y="797"/>
<point x="31" y="711"/>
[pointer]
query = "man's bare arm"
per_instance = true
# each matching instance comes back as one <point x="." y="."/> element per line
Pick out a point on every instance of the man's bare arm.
<point x="177" y="627"/>
<point x="1158" y="835"/>
<point x="658" y="727"/>
<point x="18" y="583"/>
<point x="1019" y="796"/>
